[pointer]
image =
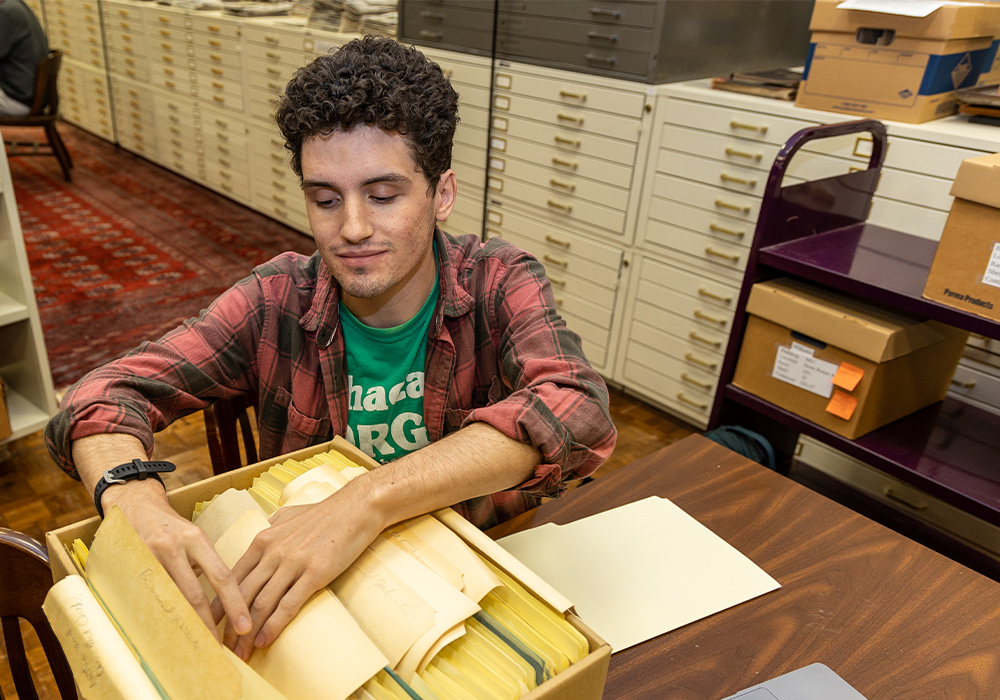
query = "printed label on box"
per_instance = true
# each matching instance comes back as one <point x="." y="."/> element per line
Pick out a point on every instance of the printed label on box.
<point x="992" y="274"/>
<point x="804" y="371"/>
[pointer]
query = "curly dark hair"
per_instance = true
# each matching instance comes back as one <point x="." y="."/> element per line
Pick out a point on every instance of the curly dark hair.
<point x="379" y="82"/>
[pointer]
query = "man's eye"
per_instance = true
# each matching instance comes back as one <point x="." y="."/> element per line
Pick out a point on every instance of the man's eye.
<point x="384" y="200"/>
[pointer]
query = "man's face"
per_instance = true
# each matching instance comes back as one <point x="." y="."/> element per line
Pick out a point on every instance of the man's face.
<point x="373" y="219"/>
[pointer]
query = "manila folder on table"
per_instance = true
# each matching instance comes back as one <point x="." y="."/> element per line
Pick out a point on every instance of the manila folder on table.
<point x="640" y="570"/>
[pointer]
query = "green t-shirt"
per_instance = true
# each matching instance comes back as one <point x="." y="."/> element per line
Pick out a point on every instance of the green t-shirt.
<point x="385" y="382"/>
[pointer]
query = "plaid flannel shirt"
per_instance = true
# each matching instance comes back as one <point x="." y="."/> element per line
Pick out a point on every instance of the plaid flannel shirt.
<point x="497" y="352"/>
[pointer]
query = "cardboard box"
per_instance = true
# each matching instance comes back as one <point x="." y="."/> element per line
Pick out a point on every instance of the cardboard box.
<point x="966" y="268"/>
<point x="583" y="680"/>
<point x="991" y="66"/>
<point x="841" y="363"/>
<point x="5" y="429"/>
<point x="875" y="64"/>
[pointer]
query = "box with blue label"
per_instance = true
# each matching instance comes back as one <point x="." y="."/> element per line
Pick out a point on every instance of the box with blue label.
<point x="903" y="67"/>
<point x="840" y="362"/>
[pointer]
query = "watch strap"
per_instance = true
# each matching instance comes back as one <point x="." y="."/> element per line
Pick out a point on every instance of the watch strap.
<point x="137" y="469"/>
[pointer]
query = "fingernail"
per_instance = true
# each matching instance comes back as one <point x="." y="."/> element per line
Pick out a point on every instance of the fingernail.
<point x="261" y="641"/>
<point x="243" y="625"/>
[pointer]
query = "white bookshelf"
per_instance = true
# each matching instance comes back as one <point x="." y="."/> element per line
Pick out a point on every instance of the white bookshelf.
<point x="24" y="365"/>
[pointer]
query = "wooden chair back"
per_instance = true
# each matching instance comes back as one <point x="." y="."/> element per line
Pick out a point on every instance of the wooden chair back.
<point x="221" y="421"/>
<point x="25" y="579"/>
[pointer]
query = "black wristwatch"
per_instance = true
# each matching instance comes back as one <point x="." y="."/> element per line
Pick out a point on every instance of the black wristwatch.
<point x="136" y="469"/>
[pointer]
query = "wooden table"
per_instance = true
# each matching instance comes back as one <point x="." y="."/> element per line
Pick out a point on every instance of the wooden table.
<point x="896" y="620"/>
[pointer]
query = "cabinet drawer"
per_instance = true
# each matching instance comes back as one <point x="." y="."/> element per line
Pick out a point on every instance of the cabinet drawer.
<point x="710" y="225"/>
<point x="600" y="12"/>
<point x="126" y="41"/>
<point x="234" y="186"/>
<point x="205" y="56"/>
<point x="218" y="27"/>
<point x="568" y="141"/>
<point x="559" y="184"/>
<point x="564" y="210"/>
<point x="170" y="53"/>
<point x="689" y="402"/>
<point x="707" y="315"/>
<point x="615" y="59"/>
<point x="679" y="371"/>
<point x="458" y="224"/>
<point x="572" y="119"/>
<point x="469" y="204"/>
<point x="703" y="342"/>
<point x="764" y="128"/>
<point x="570" y="94"/>
<point x="697" y="287"/>
<point x="560" y="240"/>
<point x="913" y="188"/>
<point x="927" y="158"/>
<point x="733" y="178"/>
<point x="585" y="34"/>
<point x="474" y="117"/>
<point x="216" y="43"/>
<point x="260" y="103"/>
<point x="473" y="138"/>
<point x="128" y="66"/>
<point x="561" y="163"/>
<point x="706" y="247"/>
<point x="920" y="221"/>
<point x="743" y="207"/>
<point x="272" y="38"/>
<point x="122" y="11"/>
<point x="568" y="273"/>
<point x="265" y="70"/>
<point x="440" y="33"/>
<point x="208" y="74"/>
<point x="697" y="359"/>
<point x="974" y="383"/>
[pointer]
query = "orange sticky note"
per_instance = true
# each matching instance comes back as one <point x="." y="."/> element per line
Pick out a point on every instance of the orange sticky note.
<point x="848" y="376"/>
<point x="842" y="405"/>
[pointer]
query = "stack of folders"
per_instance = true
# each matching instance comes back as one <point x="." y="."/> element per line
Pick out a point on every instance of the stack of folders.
<point x="420" y="615"/>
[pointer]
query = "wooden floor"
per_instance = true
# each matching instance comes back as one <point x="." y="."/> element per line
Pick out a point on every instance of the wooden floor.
<point x="35" y="496"/>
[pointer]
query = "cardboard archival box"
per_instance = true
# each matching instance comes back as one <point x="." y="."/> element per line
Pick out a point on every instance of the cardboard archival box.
<point x="876" y="64"/>
<point x="583" y="680"/>
<point x="5" y="429"/>
<point x="841" y="363"/>
<point x="966" y="268"/>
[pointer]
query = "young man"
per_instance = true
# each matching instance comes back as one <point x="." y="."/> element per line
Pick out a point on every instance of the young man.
<point x="22" y="48"/>
<point x="444" y="358"/>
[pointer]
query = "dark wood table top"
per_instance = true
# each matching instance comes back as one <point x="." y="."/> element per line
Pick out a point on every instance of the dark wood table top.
<point x="893" y="618"/>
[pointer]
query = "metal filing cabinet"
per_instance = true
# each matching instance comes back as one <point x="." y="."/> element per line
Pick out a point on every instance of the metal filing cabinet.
<point x="458" y="25"/>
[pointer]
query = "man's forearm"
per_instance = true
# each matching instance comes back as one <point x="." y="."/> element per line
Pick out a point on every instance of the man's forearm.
<point x="475" y="461"/>
<point x="96" y="454"/>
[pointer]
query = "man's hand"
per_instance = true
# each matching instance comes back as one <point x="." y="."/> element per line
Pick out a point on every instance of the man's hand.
<point x="305" y="549"/>
<point x="181" y="547"/>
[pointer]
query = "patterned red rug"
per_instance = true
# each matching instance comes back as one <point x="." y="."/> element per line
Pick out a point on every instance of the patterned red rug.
<point x="128" y="250"/>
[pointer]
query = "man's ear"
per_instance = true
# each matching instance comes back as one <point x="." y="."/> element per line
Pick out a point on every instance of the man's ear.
<point x="444" y="194"/>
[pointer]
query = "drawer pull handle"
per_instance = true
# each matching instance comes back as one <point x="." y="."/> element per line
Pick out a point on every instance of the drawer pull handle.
<point x="275" y="86"/>
<point x="221" y="100"/>
<point x="556" y="261"/>
<point x="221" y="122"/>
<point x="559" y="205"/>
<point x="279" y="185"/>
<point x="216" y="44"/>
<point x="599" y="12"/>
<point x="170" y="83"/>
<point x="719" y="254"/>
<point x="271" y="39"/>
<point x="728" y="231"/>
<point x="691" y="357"/>
<point x="273" y="71"/>
<point x="609" y="60"/>
<point x="218" y="86"/>
<point x="279" y="200"/>
<point x="214" y="28"/>
<point x="683" y="399"/>
<point x="748" y="127"/>
<point x="428" y="34"/>
<point x="573" y="95"/>
<point x="276" y="157"/>
<point x="738" y="180"/>
<point x="718" y="297"/>
<point x="558" y="301"/>
<point x="698" y="313"/>
<point x="743" y="154"/>
<point x="904" y="499"/>
<point x="565" y="163"/>
<point x="963" y="385"/>
<point x="215" y="57"/>
<point x="426" y="14"/>
<point x="569" y="187"/>
<point x="223" y="149"/>
<point x="277" y="171"/>
<point x="272" y="54"/>
<point x="555" y="282"/>
<point x="691" y="380"/>
<point x="714" y="343"/>
<point x="602" y="37"/>
<point x="165" y="45"/>
<point x="575" y="143"/>
<point x="165" y="32"/>
<point x="218" y="71"/>
<point x="734" y="207"/>
<point x="569" y="118"/>
<point x="555" y="241"/>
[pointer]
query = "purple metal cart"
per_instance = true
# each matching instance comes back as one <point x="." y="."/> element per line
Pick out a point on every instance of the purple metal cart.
<point x="817" y="231"/>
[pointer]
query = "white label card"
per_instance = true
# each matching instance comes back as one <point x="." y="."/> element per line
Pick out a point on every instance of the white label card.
<point x="992" y="274"/>
<point x="804" y="371"/>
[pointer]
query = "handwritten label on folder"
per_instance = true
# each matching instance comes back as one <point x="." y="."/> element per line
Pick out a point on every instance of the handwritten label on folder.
<point x="799" y="367"/>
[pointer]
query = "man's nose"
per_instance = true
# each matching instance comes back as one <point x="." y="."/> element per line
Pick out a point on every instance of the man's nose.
<point x="357" y="225"/>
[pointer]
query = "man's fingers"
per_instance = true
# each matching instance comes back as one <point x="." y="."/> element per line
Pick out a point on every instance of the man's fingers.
<point x="273" y="585"/>
<point x="178" y="568"/>
<point x="228" y="596"/>
<point x="285" y="612"/>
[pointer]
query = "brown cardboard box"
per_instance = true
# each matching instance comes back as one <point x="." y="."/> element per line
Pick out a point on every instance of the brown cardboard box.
<point x="876" y="64"/>
<point x="991" y="66"/>
<point x="966" y="268"/>
<point x="5" y="429"/>
<point x="583" y="680"/>
<point x="839" y="362"/>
